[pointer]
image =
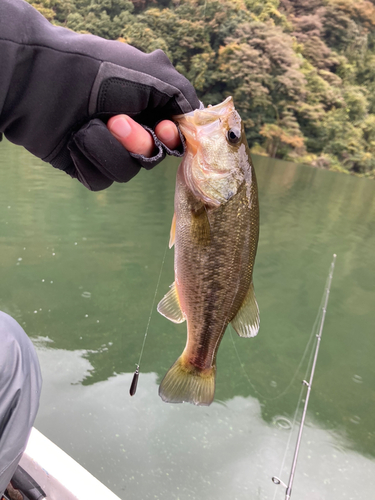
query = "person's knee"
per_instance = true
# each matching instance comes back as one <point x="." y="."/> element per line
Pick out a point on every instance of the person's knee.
<point x="19" y="367"/>
<point x="20" y="387"/>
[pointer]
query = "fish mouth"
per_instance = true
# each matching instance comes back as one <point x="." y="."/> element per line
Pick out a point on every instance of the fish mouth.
<point x="210" y="165"/>
<point x="205" y="117"/>
<point x="208" y="114"/>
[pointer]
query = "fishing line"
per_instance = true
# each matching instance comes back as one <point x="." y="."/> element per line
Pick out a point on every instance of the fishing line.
<point x="311" y="337"/>
<point x="290" y="436"/>
<point x="133" y="386"/>
<point x="298" y="403"/>
<point x="266" y="398"/>
<point x="317" y="331"/>
<point x="308" y="384"/>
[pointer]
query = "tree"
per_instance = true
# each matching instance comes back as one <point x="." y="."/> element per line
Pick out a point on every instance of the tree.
<point x="301" y="72"/>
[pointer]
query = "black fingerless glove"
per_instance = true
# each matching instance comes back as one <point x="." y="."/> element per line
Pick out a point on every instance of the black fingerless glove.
<point x="59" y="88"/>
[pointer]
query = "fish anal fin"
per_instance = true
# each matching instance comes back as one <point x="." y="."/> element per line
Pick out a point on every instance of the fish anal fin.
<point x="172" y="235"/>
<point x="246" y="322"/>
<point x="169" y="306"/>
<point x="184" y="383"/>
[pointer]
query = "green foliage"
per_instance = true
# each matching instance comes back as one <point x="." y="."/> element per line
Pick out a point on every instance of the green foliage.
<point x="301" y="72"/>
<point x="104" y="18"/>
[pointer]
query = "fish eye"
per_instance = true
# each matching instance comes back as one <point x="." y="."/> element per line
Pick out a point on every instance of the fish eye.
<point x="234" y="135"/>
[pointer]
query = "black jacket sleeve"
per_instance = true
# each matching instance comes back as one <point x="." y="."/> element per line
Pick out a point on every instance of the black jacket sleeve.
<point x="58" y="88"/>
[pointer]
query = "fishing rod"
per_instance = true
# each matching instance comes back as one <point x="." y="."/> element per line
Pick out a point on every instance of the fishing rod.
<point x="276" y="480"/>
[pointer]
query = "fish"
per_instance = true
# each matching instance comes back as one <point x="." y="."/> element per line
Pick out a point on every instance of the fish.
<point x="215" y="231"/>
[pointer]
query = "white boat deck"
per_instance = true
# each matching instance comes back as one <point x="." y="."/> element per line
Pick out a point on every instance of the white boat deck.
<point x="61" y="477"/>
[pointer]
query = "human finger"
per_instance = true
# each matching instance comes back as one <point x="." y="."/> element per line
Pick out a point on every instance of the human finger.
<point x="131" y="135"/>
<point x="167" y="132"/>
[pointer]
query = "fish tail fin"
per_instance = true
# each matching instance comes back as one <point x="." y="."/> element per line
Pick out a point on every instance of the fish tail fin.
<point x="186" y="383"/>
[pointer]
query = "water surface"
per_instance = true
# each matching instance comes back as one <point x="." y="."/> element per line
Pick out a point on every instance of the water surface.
<point x="79" y="272"/>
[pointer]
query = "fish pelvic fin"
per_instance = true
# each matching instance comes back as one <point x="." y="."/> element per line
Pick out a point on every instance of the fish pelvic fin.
<point x="169" y="306"/>
<point x="246" y="322"/>
<point x="184" y="383"/>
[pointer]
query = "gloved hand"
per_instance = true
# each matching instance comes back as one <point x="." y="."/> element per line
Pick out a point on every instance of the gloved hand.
<point x="59" y="88"/>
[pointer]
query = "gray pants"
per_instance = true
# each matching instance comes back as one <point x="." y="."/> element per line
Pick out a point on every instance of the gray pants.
<point x="20" y="387"/>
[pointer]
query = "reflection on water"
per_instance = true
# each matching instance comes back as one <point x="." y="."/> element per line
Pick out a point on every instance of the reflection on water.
<point x="159" y="451"/>
<point x="80" y="269"/>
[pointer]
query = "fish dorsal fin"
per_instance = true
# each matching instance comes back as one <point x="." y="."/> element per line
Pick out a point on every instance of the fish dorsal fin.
<point x="169" y="306"/>
<point x="173" y="232"/>
<point x="246" y="321"/>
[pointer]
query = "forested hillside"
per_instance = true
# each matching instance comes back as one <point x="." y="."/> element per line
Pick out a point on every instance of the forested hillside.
<point x="302" y="72"/>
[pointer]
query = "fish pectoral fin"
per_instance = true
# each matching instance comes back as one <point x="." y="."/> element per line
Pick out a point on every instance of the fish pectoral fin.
<point x="200" y="227"/>
<point x="169" y="306"/>
<point x="172" y="235"/>
<point x="246" y="322"/>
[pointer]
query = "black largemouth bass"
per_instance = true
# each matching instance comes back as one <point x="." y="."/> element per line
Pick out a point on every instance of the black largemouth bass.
<point x="215" y="232"/>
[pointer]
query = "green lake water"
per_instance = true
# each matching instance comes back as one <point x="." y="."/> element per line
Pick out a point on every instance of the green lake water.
<point x="79" y="272"/>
